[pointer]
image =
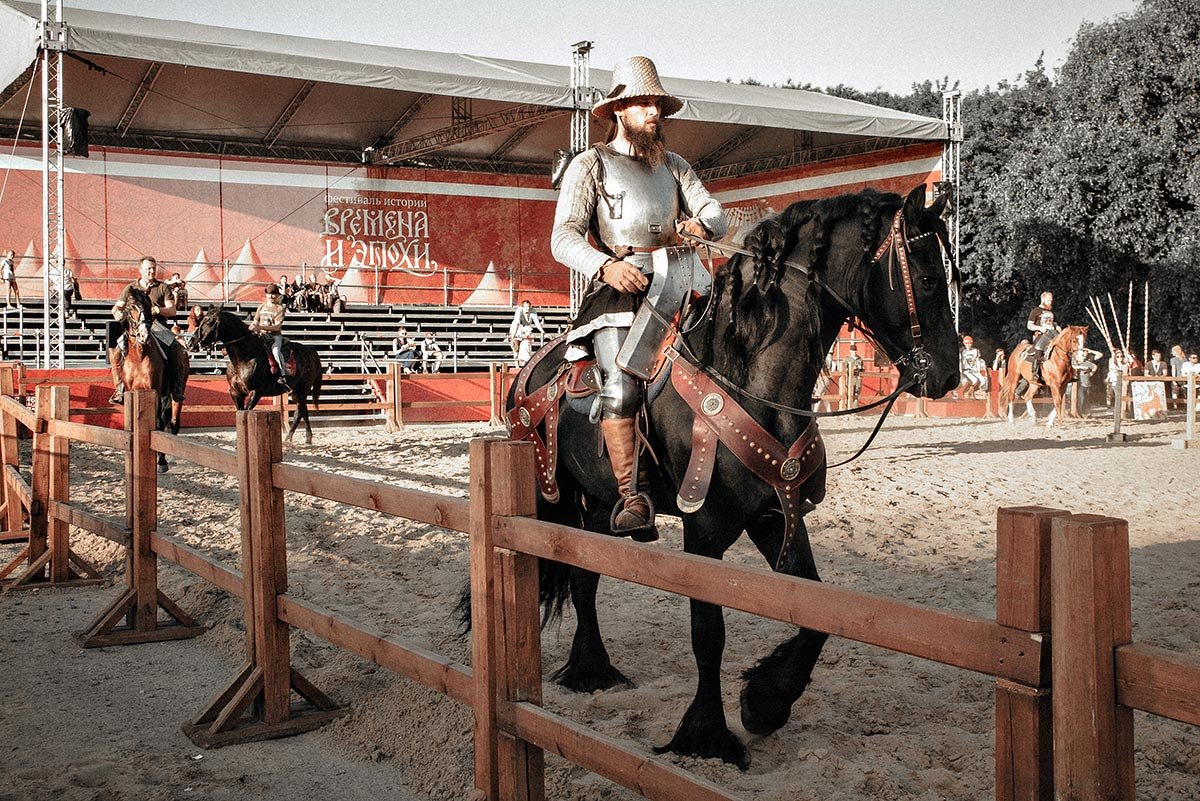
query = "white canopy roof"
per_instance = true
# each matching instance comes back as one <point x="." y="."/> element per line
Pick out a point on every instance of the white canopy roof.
<point x="497" y="83"/>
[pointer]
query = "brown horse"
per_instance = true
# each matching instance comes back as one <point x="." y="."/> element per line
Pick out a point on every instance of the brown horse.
<point x="146" y="365"/>
<point x="1056" y="373"/>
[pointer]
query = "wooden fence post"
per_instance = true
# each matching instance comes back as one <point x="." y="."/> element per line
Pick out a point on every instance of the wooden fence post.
<point x="398" y="395"/>
<point x="1024" y="734"/>
<point x="392" y="397"/>
<point x="140" y="602"/>
<point x="1189" y="417"/>
<point x="257" y="704"/>
<point x="1093" y="732"/>
<point x="990" y="399"/>
<point x="10" y="454"/>
<point x="502" y="474"/>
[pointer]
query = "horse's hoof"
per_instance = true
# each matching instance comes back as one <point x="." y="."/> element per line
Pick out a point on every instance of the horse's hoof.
<point x="582" y="679"/>
<point x="162" y="467"/>
<point x="714" y="741"/>
<point x="763" y="713"/>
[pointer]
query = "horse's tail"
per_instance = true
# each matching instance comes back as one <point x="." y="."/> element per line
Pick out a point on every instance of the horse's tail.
<point x="554" y="589"/>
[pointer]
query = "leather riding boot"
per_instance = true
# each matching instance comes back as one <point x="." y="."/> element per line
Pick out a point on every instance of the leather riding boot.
<point x="118" y="395"/>
<point x="632" y="512"/>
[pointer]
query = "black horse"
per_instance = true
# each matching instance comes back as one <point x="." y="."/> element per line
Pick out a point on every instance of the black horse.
<point x="763" y="338"/>
<point x="249" y="371"/>
<point x="149" y="363"/>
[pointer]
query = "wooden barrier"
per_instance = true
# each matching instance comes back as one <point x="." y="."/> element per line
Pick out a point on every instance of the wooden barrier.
<point x="1063" y="731"/>
<point x="138" y="605"/>
<point x="48" y="554"/>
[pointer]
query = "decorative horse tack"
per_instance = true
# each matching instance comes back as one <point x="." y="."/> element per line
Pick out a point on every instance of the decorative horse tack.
<point x="530" y="409"/>
<point x="719" y="416"/>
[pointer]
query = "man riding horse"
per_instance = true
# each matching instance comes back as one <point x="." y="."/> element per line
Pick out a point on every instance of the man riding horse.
<point x="1041" y="324"/>
<point x="633" y="196"/>
<point x="162" y="308"/>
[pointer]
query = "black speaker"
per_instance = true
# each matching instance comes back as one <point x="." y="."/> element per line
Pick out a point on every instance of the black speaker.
<point x="75" y="131"/>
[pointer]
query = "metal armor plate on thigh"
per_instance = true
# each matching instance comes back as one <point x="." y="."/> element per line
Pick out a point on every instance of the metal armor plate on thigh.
<point x="676" y="271"/>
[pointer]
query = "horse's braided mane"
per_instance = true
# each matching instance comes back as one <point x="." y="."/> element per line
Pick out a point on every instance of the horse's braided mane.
<point x="758" y="309"/>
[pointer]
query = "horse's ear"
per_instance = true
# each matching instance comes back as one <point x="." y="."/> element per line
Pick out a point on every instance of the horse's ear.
<point x="939" y="206"/>
<point x="914" y="204"/>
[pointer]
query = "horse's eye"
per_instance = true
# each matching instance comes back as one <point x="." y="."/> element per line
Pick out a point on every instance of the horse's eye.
<point x="929" y="283"/>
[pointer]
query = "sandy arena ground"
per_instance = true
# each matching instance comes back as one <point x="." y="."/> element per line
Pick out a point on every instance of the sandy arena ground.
<point x="912" y="519"/>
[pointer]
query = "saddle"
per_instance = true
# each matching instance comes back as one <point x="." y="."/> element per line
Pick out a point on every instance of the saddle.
<point x="792" y="471"/>
<point x="289" y="357"/>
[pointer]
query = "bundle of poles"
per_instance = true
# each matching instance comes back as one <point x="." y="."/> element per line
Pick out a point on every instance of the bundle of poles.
<point x="1124" y="338"/>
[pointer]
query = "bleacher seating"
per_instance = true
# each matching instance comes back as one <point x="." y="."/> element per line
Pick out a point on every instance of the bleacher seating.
<point x="356" y="340"/>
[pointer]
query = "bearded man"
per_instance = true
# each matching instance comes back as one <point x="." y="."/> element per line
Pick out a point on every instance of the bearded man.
<point x="633" y="196"/>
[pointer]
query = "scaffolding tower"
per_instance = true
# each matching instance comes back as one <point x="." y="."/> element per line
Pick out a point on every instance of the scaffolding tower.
<point x="581" y="101"/>
<point x="53" y="44"/>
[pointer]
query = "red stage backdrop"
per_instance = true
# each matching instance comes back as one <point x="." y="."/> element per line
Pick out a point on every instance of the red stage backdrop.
<point x="391" y="235"/>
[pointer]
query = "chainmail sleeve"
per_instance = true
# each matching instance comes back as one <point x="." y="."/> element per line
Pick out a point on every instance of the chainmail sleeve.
<point x="573" y="217"/>
<point x="700" y="204"/>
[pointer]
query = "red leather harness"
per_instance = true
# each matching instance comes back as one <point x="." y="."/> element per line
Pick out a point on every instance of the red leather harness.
<point x="532" y="408"/>
<point x="719" y="417"/>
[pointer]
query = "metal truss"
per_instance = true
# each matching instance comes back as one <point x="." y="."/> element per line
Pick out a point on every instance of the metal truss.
<point x="139" y="96"/>
<point x="582" y="94"/>
<point x="506" y="120"/>
<point x="712" y="158"/>
<point x="285" y="115"/>
<point x="53" y="44"/>
<point x="799" y="157"/>
<point x="404" y="119"/>
<point x="514" y="139"/>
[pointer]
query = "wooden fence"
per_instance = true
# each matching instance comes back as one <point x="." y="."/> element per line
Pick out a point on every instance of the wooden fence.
<point x="1067" y="731"/>
<point x="398" y="399"/>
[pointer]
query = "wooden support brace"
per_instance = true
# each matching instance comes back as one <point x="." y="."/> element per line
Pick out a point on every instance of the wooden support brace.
<point x="105" y="629"/>
<point x="233" y="715"/>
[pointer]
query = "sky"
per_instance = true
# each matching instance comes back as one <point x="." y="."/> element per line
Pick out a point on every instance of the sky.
<point x="866" y="45"/>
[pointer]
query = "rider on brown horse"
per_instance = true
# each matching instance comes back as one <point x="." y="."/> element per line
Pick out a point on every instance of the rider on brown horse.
<point x="162" y="302"/>
<point x="632" y="195"/>
<point x="1041" y="323"/>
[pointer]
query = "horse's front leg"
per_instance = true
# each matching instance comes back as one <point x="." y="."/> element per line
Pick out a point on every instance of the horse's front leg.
<point x="1056" y="394"/>
<point x="780" y="678"/>
<point x="703" y="731"/>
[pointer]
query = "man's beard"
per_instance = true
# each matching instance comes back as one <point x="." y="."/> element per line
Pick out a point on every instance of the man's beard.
<point x="648" y="148"/>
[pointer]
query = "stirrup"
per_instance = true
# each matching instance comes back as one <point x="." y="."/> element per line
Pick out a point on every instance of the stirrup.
<point x="644" y="533"/>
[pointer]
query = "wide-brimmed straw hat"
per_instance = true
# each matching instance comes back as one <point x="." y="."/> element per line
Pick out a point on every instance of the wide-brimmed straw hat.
<point x="636" y="76"/>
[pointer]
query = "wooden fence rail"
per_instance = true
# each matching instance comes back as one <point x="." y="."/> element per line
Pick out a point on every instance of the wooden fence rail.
<point x="1065" y="730"/>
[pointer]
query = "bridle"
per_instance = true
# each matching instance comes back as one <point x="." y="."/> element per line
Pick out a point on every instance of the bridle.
<point x="897" y="244"/>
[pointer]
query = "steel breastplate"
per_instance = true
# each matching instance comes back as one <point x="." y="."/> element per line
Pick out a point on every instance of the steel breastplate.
<point x="637" y="205"/>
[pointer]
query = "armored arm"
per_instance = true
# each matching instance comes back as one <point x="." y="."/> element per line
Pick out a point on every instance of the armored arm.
<point x="573" y="215"/>
<point x="701" y="206"/>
